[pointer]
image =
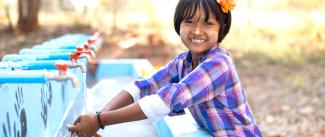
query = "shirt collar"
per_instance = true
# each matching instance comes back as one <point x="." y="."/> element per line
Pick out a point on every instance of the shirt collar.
<point x="213" y="51"/>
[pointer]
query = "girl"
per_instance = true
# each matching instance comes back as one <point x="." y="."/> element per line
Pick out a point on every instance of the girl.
<point x="203" y="79"/>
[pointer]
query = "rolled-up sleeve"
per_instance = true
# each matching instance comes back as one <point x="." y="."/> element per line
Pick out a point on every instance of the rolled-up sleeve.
<point x="133" y="90"/>
<point x="147" y="86"/>
<point x="153" y="107"/>
<point x="205" y="82"/>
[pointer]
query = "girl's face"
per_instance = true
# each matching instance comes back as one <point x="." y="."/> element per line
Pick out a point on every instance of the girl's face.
<point x="199" y="35"/>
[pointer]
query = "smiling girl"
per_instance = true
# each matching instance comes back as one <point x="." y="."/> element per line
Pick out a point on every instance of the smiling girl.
<point x="203" y="79"/>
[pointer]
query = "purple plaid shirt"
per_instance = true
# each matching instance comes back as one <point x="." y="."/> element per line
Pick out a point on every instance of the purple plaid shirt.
<point x="212" y="92"/>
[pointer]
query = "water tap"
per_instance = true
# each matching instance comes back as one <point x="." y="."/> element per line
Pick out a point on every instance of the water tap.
<point x="94" y="41"/>
<point x="76" y="63"/>
<point x="87" y="47"/>
<point x="63" y="74"/>
<point x="81" y="54"/>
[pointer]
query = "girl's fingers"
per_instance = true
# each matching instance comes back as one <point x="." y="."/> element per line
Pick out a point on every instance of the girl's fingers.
<point x="98" y="135"/>
<point x="72" y="128"/>
<point x="77" y="120"/>
<point x="73" y="134"/>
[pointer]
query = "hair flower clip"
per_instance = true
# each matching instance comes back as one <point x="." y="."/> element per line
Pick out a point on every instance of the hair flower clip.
<point x="226" y="5"/>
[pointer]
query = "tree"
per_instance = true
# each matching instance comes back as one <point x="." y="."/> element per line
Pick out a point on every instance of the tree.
<point x="28" y="16"/>
<point x="116" y="7"/>
<point x="6" y="6"/>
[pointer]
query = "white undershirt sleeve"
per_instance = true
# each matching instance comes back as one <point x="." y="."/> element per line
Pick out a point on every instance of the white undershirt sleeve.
<point x="133" y="90"/>
<point x="153" y="107"/>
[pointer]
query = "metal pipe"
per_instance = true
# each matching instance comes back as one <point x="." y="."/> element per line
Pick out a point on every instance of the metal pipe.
<point x="37" y="77"/>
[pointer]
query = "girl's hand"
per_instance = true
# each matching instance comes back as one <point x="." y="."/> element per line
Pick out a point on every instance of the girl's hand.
<point x="85" y="126"/>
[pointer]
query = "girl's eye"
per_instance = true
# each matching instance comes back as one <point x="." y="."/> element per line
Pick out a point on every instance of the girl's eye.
<point x="188" y="21"/>
<point x="208" y="23"/>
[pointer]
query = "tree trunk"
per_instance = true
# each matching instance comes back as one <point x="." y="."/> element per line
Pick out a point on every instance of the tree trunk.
<point x="28" y="16"/>
<point x="7" y="12"/>
<point x="115" y="8"/>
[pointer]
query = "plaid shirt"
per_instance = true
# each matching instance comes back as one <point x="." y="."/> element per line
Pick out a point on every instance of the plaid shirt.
<point x="212" y="92"/>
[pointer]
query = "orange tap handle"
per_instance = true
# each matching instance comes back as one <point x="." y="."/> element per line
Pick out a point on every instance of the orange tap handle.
<point x="62" y="65"/>
<point x="79" y="49"/>
<point x="74" y="56"/>
<point x="85" y="52"/>
<point x="91" y="41"/>
<point x="86" y="46"/>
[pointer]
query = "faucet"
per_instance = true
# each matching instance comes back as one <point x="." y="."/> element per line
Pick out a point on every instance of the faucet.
<point x="63" y="74"/>
<point x="86" y="56"/>
<point x="95" y="39"/>
<point x="81" y="54"/>
<point x="76" y="63"/>
<point x="87" y="48"/>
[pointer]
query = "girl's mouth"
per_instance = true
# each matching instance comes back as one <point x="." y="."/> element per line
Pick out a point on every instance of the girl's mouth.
<point x="197" y="41"/>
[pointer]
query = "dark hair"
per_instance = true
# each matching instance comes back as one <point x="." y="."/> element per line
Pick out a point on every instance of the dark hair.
<point x="186" y="9"/>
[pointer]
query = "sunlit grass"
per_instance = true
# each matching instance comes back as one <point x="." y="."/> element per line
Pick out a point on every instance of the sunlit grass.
<point x="288" y="46"/>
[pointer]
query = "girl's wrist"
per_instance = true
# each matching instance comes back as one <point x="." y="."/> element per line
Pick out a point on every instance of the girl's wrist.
<point x="99" y="121"/>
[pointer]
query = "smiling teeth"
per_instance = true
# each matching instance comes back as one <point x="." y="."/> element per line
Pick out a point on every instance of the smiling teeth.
<point x="197" y="41"/>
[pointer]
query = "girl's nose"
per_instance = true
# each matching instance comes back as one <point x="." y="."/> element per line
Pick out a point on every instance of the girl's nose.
<point x="197" y="29"/>
<point x="197" y="32"/>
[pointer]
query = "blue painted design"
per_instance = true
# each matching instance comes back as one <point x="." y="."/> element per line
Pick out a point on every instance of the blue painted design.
<point x="46" y="101"/>
<point x="34" y="106"/>
<point x="20" y="111"/>
<point x="21" y="118"/>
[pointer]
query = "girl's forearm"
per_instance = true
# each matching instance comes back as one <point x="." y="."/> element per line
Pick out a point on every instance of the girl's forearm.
<point x="128" y="113"/>
<point x="122" y="99"/>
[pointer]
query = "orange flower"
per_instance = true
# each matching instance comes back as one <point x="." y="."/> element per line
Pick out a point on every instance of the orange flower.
<point x="227" y="5"/>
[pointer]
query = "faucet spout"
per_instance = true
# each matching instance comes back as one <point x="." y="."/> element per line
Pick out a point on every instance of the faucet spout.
<point x="86" y="56"/>
<point x="76" y="63"/>
<point x="92" y="54"/>
<point x="63" y="76"/>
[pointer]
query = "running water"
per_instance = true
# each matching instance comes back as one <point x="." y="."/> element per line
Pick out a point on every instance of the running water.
<point x="84" y="84"/>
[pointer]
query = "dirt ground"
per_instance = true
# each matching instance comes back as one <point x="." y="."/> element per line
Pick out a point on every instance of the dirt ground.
<point x="286" y="101"/>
